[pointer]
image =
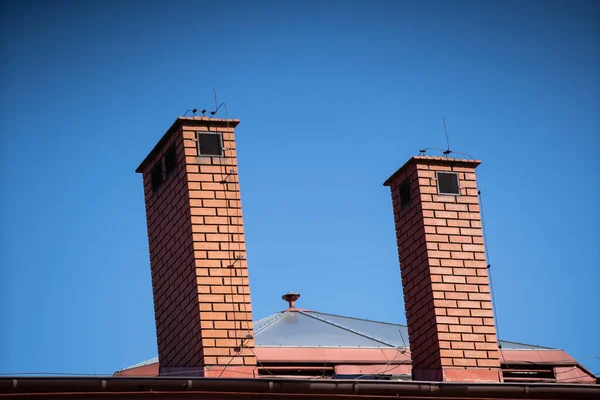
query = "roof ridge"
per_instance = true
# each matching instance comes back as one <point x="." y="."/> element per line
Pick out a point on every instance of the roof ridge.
<point x="373" y="338"/>
<point x="527" y="344"/>
<point x="276" y="317"/>
<point x="361" y="319"/>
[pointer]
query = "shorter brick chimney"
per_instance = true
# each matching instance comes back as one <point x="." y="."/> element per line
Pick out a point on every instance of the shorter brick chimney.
<point x="444" y="272"/>
<point x="198" y="252"/>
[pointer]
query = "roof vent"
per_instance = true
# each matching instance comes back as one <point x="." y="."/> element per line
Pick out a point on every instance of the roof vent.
<point x="447" y="183"/>
<point x="291" y="297"/>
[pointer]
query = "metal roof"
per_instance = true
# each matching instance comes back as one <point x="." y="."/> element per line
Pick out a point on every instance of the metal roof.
<point x="304" y="328"/>
<point x="300" y="328"/>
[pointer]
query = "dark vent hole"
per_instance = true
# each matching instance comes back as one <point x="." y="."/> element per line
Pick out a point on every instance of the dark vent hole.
<point x="209" y="144"/>
<point x="156" y="176"/>
<point x="448" y="183"/>
<point x="404" y="194"/>
<point x="170" y="160"/>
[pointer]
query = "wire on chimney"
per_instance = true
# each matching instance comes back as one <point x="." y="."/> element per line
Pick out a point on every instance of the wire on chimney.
<point x="445" y="153"/>
<point x="234" y="256"/>
<point x="193" y="110"/>
<point x="448" y="151"/>
<point x="489" y="268"/>
<point x="399" y="350"/>
<point x="237" y="185"/>
<point x="423" y="152"/>
<point x="259" y="363"/>
<point x="217" y="107"/>
<point x="385" y="367"/>
<point x="237" y="353"/>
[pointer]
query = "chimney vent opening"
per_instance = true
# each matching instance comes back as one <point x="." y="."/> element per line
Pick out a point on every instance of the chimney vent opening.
<point x="404" y="193"/>
<point x="210" y="144"/>
<point x="156" y="175"/>
<point x="447" y="183"/>
<point x="170" y="160"/>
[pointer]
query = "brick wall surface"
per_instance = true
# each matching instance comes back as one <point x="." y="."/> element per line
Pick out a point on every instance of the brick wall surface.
<point x="198" y="259"/>
<point x="444" y="274"/>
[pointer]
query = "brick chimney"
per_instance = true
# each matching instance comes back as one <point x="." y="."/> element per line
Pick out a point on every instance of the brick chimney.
<point x="197" y="251"/>
<point x="443" y="268"/>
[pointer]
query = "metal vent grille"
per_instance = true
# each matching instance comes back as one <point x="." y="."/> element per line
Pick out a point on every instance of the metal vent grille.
<point x="447" y="183"/>
<point x="209" y="144"/>
<point x="297" y="370"/>
<point x="528" y="373"/>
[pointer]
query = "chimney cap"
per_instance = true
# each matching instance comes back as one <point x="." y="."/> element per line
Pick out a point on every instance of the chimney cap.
<point x="459" y="162"/>
<point x="186" y="121"/>
<point x="291" y="297"/>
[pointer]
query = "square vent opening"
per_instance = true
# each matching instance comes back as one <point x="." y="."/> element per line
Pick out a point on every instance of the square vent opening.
<point x="209" y="144"/>
<point x="447" y="183"/>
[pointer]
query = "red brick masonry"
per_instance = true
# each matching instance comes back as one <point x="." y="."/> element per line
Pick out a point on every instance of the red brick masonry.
<point x="444" y="274"/>
<point x="195" y="229"/>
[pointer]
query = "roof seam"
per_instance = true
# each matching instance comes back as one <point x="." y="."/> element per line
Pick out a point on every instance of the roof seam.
<point x="349" y="330"/>
<point x="270" y="323"/>
<point x="360" y="319"/>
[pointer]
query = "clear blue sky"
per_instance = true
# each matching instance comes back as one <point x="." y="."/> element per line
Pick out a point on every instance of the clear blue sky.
<point x="333" y="98"/>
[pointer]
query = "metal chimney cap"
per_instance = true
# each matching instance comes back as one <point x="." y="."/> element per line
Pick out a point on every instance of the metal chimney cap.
<point x="291" y="297"/>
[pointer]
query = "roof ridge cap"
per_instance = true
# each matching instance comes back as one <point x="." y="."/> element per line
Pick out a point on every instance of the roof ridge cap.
<point x="362" y="319"/>
<point x="356" y="332"/>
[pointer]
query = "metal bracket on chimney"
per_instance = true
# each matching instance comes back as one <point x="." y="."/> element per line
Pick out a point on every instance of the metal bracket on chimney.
<point x="238" y="349"/>
<point x="231" y="172"/>
<point x="237" y="258"/>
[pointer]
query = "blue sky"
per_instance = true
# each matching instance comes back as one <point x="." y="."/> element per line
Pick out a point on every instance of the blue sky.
<point x="333" y="98"/>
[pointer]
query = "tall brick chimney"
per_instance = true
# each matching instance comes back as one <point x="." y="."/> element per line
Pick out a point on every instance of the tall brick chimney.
<point x="443" y="268"/>
<point x="197" y="251"/>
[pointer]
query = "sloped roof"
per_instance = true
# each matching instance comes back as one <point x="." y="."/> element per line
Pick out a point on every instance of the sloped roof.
<point x="304" y="328"/>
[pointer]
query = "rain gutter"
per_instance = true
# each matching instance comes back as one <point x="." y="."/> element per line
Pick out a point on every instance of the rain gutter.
<point x="172" y="388"/>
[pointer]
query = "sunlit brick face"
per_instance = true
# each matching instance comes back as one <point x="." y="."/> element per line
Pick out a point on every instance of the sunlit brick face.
<point x="198" y="252"/>
<point x="444" y="271"/>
